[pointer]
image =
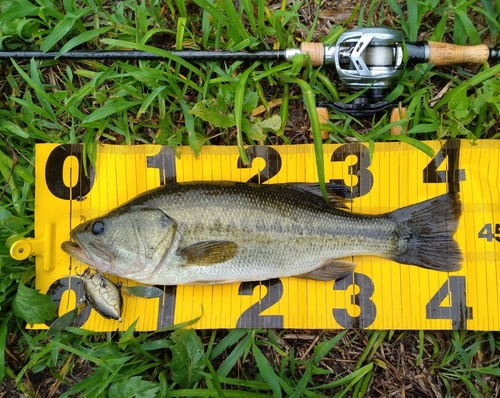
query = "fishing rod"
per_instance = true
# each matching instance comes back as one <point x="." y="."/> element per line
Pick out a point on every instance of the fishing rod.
<point x="368" y="59"/>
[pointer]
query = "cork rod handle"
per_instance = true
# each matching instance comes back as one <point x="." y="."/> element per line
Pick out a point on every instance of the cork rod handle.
<point x="315" y="50"/>
<point x="441" y="54"/>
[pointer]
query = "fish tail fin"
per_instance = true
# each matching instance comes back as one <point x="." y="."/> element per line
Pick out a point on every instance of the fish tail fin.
<point x="425" y="232"/>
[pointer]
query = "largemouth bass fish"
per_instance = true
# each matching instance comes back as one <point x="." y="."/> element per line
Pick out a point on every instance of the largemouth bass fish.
<point x="192" y="233"/>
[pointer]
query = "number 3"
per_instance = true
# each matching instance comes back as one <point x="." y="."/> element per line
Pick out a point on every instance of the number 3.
<point x="362" y="299"/>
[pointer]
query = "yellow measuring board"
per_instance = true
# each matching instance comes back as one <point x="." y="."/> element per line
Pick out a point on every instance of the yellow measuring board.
<point x="380" y="294"/>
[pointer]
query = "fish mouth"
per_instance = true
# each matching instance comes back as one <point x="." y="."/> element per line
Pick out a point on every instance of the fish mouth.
<point x="76" y="251"/>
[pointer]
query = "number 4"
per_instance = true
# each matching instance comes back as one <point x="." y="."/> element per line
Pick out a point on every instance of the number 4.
<point x="458" y="311"/>
<point x="487" y="232"/>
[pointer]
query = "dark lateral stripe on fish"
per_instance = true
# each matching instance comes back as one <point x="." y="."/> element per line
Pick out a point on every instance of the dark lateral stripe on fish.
<point x="426" y="233"/>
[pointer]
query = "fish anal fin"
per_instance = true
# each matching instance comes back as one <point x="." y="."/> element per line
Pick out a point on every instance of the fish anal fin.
<point x="330" y="270"/>
<point x="209" y="252"/>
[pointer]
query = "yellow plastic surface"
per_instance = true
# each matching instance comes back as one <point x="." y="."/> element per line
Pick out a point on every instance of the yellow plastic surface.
<point x="380" y="294"/>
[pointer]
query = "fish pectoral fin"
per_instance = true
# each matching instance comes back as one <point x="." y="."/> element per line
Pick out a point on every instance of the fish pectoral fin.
<point x="330" y="270"/>
<point x="209" y="252"/>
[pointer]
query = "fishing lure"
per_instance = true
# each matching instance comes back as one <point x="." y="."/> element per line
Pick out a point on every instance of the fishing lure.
<point x="102" y="294"/>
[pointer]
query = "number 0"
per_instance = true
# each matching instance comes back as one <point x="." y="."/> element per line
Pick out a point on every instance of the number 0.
<point x="54" y="169"/>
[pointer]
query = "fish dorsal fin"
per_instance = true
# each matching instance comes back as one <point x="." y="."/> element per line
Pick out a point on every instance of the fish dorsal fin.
<point x="209" y="252"/>
<point x="330" y="270"/>
<point x="336" y="193"/>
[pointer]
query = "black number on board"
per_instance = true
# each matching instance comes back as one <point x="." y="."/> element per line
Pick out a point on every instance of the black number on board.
<point x="359" y="169"/>
<point x="251" y="317"/>
<point x="164" y="161"/>
<point x="457" y="311"/>
<point x="452" y="175"/>
<point x="487" y="232"/>
<point x="62" y="285"/>
<point x="271" y="157"/>
<point x="368" y="310"/>
<point x="166" y="306"/>
<point x="54" y="171"/>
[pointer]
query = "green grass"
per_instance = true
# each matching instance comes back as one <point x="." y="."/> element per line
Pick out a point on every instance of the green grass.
<point x="178" y="103"/>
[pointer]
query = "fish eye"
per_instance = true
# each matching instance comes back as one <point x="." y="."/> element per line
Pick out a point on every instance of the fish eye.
<point x="98" y="227"/>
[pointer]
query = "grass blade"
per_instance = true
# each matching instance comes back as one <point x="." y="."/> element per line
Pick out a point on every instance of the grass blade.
<point x="350" y="378"/>
<point x="62" y="28"/>
<point x="468" y="27"/>
<point x="233" y="357"/>
<point x="310" y="102"/>
<point x="3" y="343"/>
<point x="235" y="22"/>
<point x="473" y="81"/>
<point x="229" y="340"/>
<point x="82" y="38"/>
<point x="20" y="9"/>
<point x="196" y="141"/>
<point x="238" y="110"/>
<point x="489" y="13"/>
<point x="266" y="371"/>
<point x="148" y="101"/>
<point x="215" y="13"/>
<point x="19" y="170"/>
<point x="110" y="108"/>
<point x="154" y="50"/>
<point x="13" y="128"/>
<point x="413" y="142"/>
<point x="45" y="99"/>
<point x="325" y="347"/>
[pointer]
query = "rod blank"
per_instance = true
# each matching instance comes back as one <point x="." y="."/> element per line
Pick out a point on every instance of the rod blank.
<point x="189" y="55"/>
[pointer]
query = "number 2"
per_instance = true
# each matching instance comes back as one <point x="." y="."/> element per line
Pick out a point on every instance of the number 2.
<point x="252" y="317"/>
<point x="273" y="163"/>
